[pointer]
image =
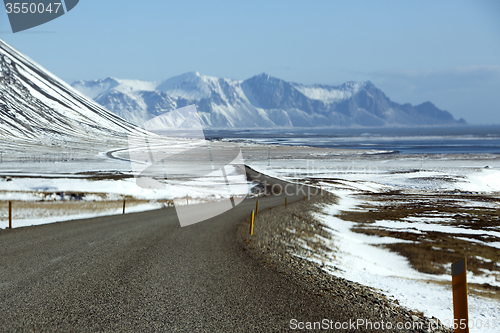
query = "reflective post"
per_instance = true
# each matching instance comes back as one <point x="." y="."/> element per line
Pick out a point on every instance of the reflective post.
<point x="459" y="286"/>
<point x="10" y="214"/>
<point x="251" y="223"/>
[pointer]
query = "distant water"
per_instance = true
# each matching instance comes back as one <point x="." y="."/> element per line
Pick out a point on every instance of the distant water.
<point x="417" y="140"/>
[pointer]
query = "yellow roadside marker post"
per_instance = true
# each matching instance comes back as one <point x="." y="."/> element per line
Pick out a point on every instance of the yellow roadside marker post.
<point x="257" y="208"/>
<point x="304" y="197"/>
<point x="251" y="223"/>
<point x="10" y="214"/>
<point x="459" y="286"/>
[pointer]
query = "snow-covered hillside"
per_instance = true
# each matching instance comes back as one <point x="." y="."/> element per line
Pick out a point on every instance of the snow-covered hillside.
<point x="36" y="105"/>
<point x="261" y="101"/>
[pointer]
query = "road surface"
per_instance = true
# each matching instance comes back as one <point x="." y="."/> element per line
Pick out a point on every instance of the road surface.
<point x="143" y="272"/>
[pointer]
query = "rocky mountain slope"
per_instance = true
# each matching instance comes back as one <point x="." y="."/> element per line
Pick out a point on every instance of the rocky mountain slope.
<point x="37" y="106"/>
<point x="260" y="101"/>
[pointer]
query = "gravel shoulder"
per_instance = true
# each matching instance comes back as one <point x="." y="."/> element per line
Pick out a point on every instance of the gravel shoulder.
<point x="275" y="243"/>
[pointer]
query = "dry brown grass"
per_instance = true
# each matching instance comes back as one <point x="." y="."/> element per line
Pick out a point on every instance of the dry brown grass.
<point x="44" y="209"/>
<point x="433" y="252"/>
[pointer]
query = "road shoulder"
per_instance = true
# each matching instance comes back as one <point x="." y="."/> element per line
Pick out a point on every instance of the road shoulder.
<point x="275" y="240"/>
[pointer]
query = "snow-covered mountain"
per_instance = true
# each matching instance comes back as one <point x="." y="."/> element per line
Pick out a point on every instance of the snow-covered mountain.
<point x="36" y="105"/>
<point x="261" y="101"/>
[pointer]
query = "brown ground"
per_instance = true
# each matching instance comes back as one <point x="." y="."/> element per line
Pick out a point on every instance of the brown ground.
<point x="44" y="209"/>
<point x="433" y="252"/>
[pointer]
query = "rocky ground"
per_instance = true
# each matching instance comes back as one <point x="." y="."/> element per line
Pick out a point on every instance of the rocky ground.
<point x="278" y="241"/>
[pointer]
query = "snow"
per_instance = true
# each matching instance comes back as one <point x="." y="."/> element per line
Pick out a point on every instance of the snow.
<point x="202" y="190"/>
<point x="189" y="86"/>
<point x="127" y="98"/>
<point x="358" y="257"/>
<point x="18" y="223"/>
<point x="446" y="173"/>
<point x="483" y="181"/>
<point x="30" y="188"/>
<point x="22" y="196"/>
<point x="93" y="89"/>
<point x="45" y="106"/>
<point x="359" y="260"/>
<point x="225" y="103"/>
<point x="126" y="86"/>
<point x="102" y="179"/>
<point x="430" y="224"/>
<point x="329" y="94"/>
<point x="184" y="118"/>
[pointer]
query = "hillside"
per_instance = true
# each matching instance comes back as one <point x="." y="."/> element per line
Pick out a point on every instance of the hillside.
<point x="35" y="105"/>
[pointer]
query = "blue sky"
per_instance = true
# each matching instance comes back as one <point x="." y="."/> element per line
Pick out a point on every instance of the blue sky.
<point x="447" y="52"/>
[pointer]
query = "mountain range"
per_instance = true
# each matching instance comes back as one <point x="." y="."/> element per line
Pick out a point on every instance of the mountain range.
<point x="260" y="101"/>
<point x="36" y="105"/>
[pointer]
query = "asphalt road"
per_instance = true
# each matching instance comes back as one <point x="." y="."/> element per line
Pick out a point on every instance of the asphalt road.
<point x="143" y="272"/>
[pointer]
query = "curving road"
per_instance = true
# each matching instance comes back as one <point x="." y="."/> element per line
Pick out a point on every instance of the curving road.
<point x="143" y="272"/>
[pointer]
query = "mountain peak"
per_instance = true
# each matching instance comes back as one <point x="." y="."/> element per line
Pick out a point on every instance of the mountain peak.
<point x="190" y="85"/>
<point x="265" y="76"/>
<point x="193" y="75"/>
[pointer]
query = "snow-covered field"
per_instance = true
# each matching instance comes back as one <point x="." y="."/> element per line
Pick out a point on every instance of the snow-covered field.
<point x="46" y="194"/>
<point x="358" y="254"/>
<point x="467" y="183"/>
<point x="359" y="259"/>
<point x="86" y="173"/>
<point x="94" y="182"/>
<point x="29" y="217"/>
